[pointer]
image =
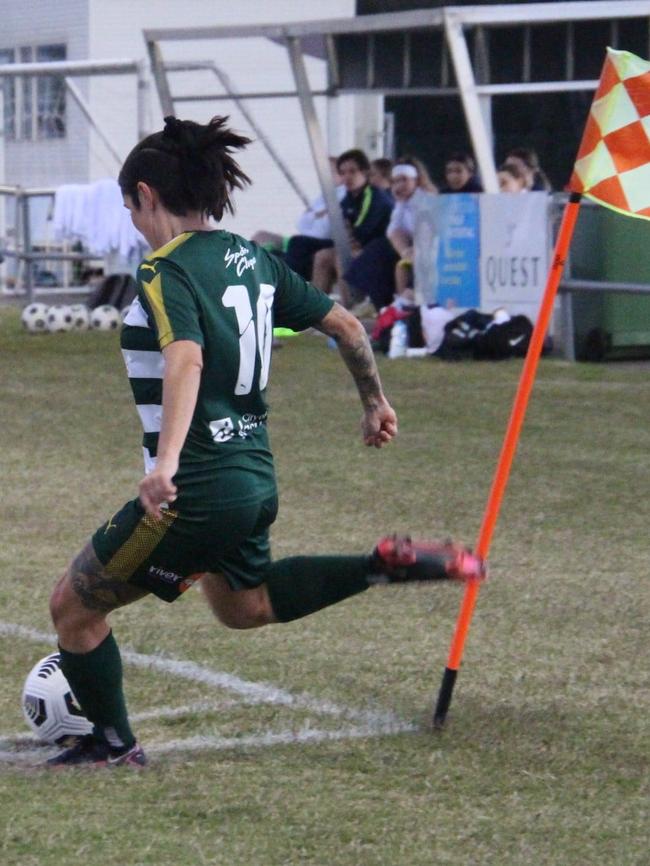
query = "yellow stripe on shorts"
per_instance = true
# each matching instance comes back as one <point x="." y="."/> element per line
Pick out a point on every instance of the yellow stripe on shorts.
<point x="143" y="540"/>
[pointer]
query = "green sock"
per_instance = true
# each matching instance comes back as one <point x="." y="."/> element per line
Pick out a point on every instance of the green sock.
<point x="301" y="585"/>
<point x="96" y="682"/>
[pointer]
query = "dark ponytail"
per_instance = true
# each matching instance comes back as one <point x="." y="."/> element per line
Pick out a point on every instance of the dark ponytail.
<point x="190" y="166"/>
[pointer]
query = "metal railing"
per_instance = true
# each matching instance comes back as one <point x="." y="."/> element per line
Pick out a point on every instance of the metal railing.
<point x="565" y="290"/>
<point x="27" y="254"/>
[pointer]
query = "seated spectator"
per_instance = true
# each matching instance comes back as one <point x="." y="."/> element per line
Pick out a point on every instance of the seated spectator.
<point x="271" y="241"/>
<point x="511" y="178"/>
<point x="384" y="267"/>
<point x="379" y="174"/>
<point x="527" y="161"/>
<point x="312" y="225"/>
<point x="460" y="174"/>
<point x="424" y="178"/>
<point x="411" y="187"/>
<point x="366" y="212"/>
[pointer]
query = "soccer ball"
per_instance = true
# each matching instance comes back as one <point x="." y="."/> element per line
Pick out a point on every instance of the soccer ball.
<point x="80" y="317"/>
<point x="49" y="707"/>
<point x="59" y="318"/>
<point x="105" y="318"/>
<point x="34" y="318"/>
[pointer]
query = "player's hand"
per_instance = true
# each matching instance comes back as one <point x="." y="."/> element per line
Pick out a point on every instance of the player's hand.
<point x="157" y="488"/>
<point x="379" y="425"/>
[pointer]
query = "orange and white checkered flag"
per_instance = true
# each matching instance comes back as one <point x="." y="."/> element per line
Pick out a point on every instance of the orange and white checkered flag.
<point x="613" y="163"/>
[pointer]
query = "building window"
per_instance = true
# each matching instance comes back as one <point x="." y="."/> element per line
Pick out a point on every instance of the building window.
<point x="9" y="95"/>
<point x="34" y="106"/>
<point x="50" y="95"/>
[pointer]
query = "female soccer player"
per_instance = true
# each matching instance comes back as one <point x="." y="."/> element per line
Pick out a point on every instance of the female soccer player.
<point x="197" y="348"/>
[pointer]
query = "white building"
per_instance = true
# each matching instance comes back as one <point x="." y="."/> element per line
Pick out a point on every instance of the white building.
<point x="48" y="141"/>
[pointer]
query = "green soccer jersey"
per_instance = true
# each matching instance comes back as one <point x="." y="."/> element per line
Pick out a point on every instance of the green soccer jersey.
<point x="226" y="294"/>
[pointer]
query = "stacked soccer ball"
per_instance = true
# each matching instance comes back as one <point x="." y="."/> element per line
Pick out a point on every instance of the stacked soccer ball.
<point x="43" y="319"/>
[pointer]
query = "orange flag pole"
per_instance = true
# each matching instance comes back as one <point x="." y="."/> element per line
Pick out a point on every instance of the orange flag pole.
<point x="506" y="457"/>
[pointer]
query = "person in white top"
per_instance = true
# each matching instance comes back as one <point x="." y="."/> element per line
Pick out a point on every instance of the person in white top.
<point x="411" y="187"/>
<point x="313" y="222"/>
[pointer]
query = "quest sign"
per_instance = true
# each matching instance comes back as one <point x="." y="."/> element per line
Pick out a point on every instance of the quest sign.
<point x="483" y="251"/>
<point x="514" y="251"/>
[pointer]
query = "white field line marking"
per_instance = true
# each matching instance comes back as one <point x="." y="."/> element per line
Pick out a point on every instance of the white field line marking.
<point x="22" y="757"/>
<point x="175" y="712"/>
<point x="13" y="741"/>
<point x="7" y="740"/>
<point x="262" y="692"/>
<point x="304" y="735"/>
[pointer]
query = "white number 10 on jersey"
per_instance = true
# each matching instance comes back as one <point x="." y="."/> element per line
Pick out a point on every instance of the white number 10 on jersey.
<point x="252" y="340"/>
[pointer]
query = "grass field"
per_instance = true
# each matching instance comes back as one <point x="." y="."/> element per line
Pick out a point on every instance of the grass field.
<point x="310" y="743"/>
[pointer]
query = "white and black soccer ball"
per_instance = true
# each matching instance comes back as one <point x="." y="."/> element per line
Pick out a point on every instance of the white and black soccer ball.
<point x="34" y="318"/>
<point x="49" y="707"/>
<point x="105" y="318"/>
<point x="80" y="317"/>
<point x="59" y="318"/>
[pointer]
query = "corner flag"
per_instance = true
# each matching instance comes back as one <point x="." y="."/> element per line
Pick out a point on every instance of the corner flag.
<point x="613" y="169"/>
<point x="613" y="162"/>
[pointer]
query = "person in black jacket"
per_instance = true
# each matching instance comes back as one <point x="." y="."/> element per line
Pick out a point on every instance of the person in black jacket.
<point x="460" y="174"/>
<point x="366" y="212"/>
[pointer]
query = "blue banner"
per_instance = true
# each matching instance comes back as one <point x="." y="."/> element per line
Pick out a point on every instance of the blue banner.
<point x="458" y="250"/>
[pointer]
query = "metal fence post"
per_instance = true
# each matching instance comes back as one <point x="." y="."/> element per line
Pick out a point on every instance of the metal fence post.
<point x="22" y="200"/>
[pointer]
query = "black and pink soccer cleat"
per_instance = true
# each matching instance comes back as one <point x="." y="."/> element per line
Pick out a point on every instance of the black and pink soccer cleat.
<point x="399" y="559"/>
<point x="89" y="751"/>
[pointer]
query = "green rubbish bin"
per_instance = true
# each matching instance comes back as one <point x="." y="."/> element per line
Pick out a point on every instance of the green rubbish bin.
<point x="613" y="248"/>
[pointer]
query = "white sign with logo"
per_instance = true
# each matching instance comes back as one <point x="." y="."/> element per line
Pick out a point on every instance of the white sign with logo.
<point x="515" y="251"/>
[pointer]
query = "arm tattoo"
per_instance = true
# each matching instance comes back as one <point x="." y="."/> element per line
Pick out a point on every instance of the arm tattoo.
<point x="360" y="361"/>
<point x="97" y="589"/>
<point x="355" y="349"/>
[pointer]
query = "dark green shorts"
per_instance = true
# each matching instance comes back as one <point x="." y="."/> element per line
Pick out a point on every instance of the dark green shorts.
<point x="167" y="556"/>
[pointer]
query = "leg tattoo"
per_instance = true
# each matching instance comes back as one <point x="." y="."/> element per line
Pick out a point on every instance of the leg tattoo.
<point x="97" y="589"/>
